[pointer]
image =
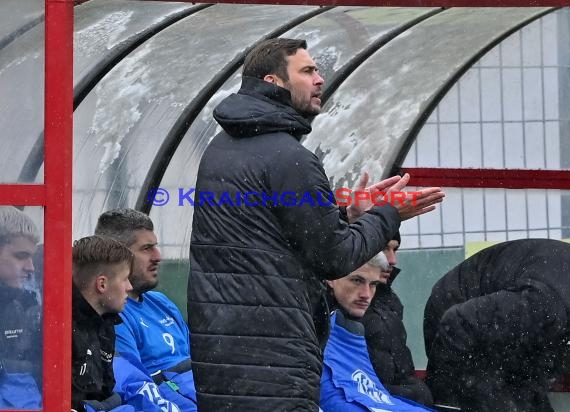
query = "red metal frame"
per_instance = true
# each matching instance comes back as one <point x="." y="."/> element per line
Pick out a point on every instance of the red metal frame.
<point x="55" y="196"/>
<point x="490" y="178"/>
<point x="56" y="192"/>
<point x="402" y="3"/>
<point x="58" y="137"/>
<point x="14" y="194"/>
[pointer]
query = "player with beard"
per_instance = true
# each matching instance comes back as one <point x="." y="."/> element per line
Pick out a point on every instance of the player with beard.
<point x="153" y="336"/>
<point x="349" y="382"/>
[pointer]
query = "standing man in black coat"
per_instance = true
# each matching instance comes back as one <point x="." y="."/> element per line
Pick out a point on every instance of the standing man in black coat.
<point x="266" y="230"/>
<point x="386" y="335"/>
<point x="496" y="327"/>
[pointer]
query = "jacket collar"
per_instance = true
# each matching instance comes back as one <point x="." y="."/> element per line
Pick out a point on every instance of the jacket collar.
<point x="84" y="312"/>
<point x="393" y="275"/>
<point x="25" y="297"/>
<point x="260" y="108"/>
<point x="256" y="87"/>
<point x="348" y="322"/>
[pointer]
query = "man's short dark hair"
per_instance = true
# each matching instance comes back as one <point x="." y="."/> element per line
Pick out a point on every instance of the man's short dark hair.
<point x="93" y="255"/>
<point x="270" y="57"/>
<point x="121" y="225"/>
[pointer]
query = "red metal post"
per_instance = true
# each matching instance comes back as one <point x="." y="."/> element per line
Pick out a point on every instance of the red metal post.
<point x="490" y="178"/>
<point x="17" y="195"/>
<point x="402" y="3"/>
<point x="58" y="212"/>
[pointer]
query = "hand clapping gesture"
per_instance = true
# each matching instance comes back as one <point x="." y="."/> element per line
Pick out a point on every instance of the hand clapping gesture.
<point x="391" y="190"/>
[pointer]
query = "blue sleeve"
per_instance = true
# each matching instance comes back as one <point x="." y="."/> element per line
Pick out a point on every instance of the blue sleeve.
<point x="20" y="391"/>
<point x="122" y="408"/>
<point x="137" y="389"/>
<point x="333" y="398"/>
<point x="186" y="389"/>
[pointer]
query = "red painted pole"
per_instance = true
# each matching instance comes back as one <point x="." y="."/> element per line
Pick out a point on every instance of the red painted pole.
<point x="19" y="194"/>
<point x="490" y="178"/>
<point x="402" y="3"/>
<point x="58" y="212"/>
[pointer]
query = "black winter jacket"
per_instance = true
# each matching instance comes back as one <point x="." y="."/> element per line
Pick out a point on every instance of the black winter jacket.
<point x="93" y="348"/>
<point x="386" y="340"/>
<point x="496" y="327"/>
<point x="20" y="328"/>
<point x="256" y="305"/>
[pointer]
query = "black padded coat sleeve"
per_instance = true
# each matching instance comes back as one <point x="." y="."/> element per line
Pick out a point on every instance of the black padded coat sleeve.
<point x="315" y="227"/>
<point x="503" y="319"/>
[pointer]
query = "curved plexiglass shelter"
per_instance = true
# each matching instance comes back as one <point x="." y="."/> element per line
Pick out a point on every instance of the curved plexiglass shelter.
<point x="405" y="88"/>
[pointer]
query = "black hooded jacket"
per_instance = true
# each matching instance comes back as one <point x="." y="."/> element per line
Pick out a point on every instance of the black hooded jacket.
<point x="255" y="301"/>
<point x="496" y="327"/>
<point x="93" y="348"/>
<point x="386" y="340"/>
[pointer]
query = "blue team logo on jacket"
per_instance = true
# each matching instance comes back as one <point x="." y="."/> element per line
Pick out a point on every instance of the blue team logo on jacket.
<point x="344" y="388"/>
<point x="367" y="387"/>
